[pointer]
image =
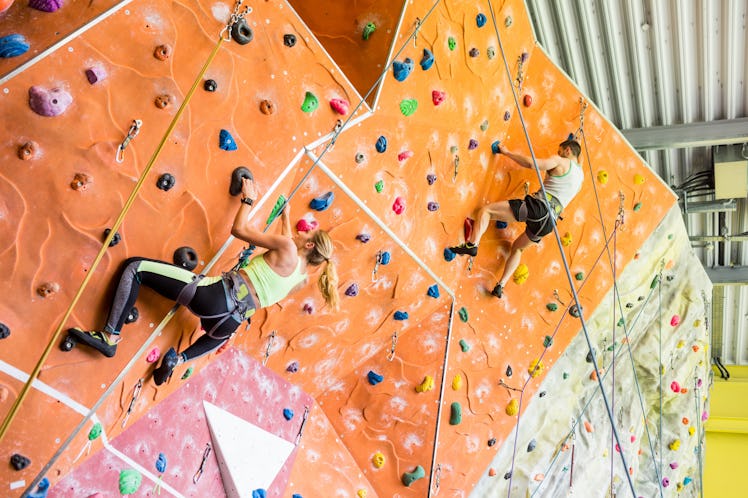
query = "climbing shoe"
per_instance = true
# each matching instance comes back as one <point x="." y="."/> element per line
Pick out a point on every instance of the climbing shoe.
<point x="465" y="248"/>
<point x="94" y="339"/>
<point x="498" y="291"/>
<point x="168" y="362"/>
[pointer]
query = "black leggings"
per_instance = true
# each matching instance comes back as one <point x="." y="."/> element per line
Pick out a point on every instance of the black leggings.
<point x="169" y="280"/>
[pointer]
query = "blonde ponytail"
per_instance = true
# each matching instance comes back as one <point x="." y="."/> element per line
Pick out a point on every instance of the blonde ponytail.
<point x="328" y="279"/>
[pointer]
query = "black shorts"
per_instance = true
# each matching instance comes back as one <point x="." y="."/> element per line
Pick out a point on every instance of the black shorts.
<point x="534" y="213"/>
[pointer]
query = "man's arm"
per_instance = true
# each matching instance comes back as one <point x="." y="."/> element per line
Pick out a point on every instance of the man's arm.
<point x="526" y="161"/>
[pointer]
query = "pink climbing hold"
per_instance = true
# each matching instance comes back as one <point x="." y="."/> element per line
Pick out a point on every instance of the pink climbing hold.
<point x="675" y="320"/>
<point x="704" y="416"/>
<point x="674" y="465"/>
<point x="674" y="386"/>
<point x="340" y="106"/>
<point x="406" y="154"/>
<point x="399" y="205"/>
<point x="304" y="225"/>
<point x="49" y="102"/>
<point x="437" y="97"/>
<point x="153" y="356"/>
<point x="308" y="309"/>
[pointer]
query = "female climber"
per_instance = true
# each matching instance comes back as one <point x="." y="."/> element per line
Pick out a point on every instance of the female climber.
<point x="222" y="302"/>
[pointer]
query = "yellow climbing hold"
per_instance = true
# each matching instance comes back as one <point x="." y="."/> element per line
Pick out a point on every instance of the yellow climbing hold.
<point x="361" y="493"/>
<point x="457" y="382"/>
<point x="639" y="179"/>
<point x="566" y="239"/>
<point x="378" y="460"/>
<point x="512" y="408"/>
<point x="536" y="368"/>
<point x="691" y="430"/>
<point x="426" y="385"/>
<point x="521" y="274"/>
<point x="697" y="323"/>
<point x="602" y="176"/>
<point x="675" y="445"/>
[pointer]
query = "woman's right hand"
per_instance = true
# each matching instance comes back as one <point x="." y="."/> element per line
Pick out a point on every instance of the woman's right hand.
<point x="249" y="189"/>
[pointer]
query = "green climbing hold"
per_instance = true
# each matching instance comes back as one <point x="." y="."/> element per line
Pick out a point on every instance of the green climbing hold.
<point x="655" y="281"/>
<point x="551" y="306"/>
<point x="579" y="275"/>
<point x="612" y="346"/>
<point x="508" y="21"/>
<point x="410" y="477"/>
<point x="188" y="373"/>
<point x="463" y="314"/>
<point x="548" y="341"/>
<point x="279" y="204"/>
<point x="491" y="52"/>
<point x="464" y="346"/>
<point x="129" y="481"/>
<point x="310" y="102"/>
<point x="670" y="236"/>
<point x="565" y="375"/>
<point x="454" y="149"/>
<point x="455" y="415"/>
<point x="408" y="106"/>
<point x="452" y="43"/>
<point x="621" y="322"/>
<point x="484" y="125"/>
<point x="637" y="206"/>
<point x="379" y="186"/>
<point x="369" y="29"/>
<point x="94" y="432"/>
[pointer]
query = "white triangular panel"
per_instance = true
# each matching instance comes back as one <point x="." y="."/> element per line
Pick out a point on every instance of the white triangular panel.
<point x="249" y="457"/>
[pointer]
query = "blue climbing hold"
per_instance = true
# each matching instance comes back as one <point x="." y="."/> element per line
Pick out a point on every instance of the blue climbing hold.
<point x="501" y="224"/>
<point x="381" y="144"/>
<point x="259" y="493"/>
<point x="570" y="137"/>
<point x="480" y="20"/>
<point x="41" y="489"/>
<point x="687" y="481"/>
<point x="287" y="413"/>
<point x="427" y="60"/>
<point x="161" y="463"/>
<point x="384" y="258"/>
<point x="374" y="378"/>
<point x="296" y="495"/>
<point x="226" y="141"/>
<point x="433" y="291"/>
<point x="13" y="45"/>
<point x="401" y="315"/>
<point x="401" y="70"/>
<point x="448" y="254"/>
<point x="322" y="202"/>
<point x="495" y="147"/>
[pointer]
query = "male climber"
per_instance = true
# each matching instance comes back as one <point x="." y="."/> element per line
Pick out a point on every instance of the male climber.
<point x="563" y="180"/>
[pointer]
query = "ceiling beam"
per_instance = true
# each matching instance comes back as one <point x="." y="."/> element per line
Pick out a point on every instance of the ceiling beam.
<point x="728" y="275"/>
<point x="726" y="131"/>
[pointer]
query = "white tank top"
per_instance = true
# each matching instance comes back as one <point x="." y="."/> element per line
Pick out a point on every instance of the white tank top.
<point x="566" y="186"/>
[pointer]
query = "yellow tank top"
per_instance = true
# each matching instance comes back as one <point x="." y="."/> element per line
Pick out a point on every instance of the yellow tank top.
<point x="270" y="286"/>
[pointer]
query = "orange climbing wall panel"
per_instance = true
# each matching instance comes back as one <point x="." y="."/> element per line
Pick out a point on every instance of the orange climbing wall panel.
<point x="51" y="232"/>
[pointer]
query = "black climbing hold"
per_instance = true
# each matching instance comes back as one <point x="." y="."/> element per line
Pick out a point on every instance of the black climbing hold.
<point x="640" y="298"/>
<point x="508" y="475"/>
<point x="492" y="441"/>
<point x="241" y="32"/>
<point x="669" y="278"/>
<point x="431" y="178"/>
<point x="133" y="315"/>
<point x="19" y="462"/>
<point x="590" y="354"/>
<point x="115" y="240"/>
<point x="236" y="179"/>
<point x="629" y="305"/>
<point x="289" y="40"/>
<point x="210" y="85"/>
<point x="531" y="446"/>
<point x="166" y="182"/>
<point x="474" y="52"/>
<point x="542" y="394"/>
<point x="4" y="331"/>
<point x="186" y="257"/>
<point x="574" y="310"/>
<point x="508" y="370"/>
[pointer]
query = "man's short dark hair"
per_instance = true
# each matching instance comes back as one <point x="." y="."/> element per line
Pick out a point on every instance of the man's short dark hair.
<point x="576" y="149"/>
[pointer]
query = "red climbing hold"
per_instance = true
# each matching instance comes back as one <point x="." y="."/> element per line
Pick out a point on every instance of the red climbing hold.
<point x="527" y="100"/>
<point x="437" y="97"/>
<point x="399" y="205"/>
<point x="305" y="226"/>
<point x="406" y="154"/>
<point x="340" y="106"/>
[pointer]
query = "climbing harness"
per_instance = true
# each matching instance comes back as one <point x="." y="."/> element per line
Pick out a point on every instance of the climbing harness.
<point x="268" y="347"/>
<point x="199" y="473"/>
<point x="135" y="395"/>
<point x="131" y="134"/>
<point x="303" y="423"/>
<point x="391" y="353"/>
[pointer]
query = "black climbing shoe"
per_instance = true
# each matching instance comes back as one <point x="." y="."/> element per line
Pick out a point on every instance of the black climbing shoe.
<point x="94" y="339"/>
<point x="168" y="362"/>
<point x="498" y="291"/>
<point x="465" y="248"/>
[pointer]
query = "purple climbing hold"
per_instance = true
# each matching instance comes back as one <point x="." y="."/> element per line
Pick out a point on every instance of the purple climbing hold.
<point x="433" y="206"/>
<point x="524" y="57"/>
<point x="352" y="290"/>
<point x="293" y="367"/>
<point x="473" y="144"/>
<point x="507" y="115"/>
<point x="94" y="74"/>
<point x="363" y="237"/>
<point x="46" y="5"/>
<point x="308" y="308"/>
<point x="431" y="178"/>
<point x="474" y="52"/>
<point x="374" y="378"/>
<point x="401" y="70"/>
<point x="49" y="102"/>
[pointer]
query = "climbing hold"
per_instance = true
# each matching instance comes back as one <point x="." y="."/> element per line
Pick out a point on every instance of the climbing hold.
<point x="451" y="43"/>
<point x="378" y="459"/>
<point x="639" y="179"/>
<point x="4" y="331"/>
<point x="691" y="431"/>
<point x="48" y="289"/>
<point x="289" y="40"/>
<point x="574" y="310"/>
<point x="368" y="30"/>
<point x="305" y="226"/>
<point x="188" y="373"/>
<point x="438" y="96"/>
<point x="491" y="52"/>
<point x="153" y="355"/>
<point x="46" y="5"/>
<point x="132" y="316"/>
<point x="491" y="442"/>
<point x="340" y="106"/>
<point x="408" y="106"/>
<point x="523" y="58"/>
<point x="480" y="20"/>
<point x="508" y="475"/>
<point x="566" y="239"/>
<point x="527" y="100"/>
<point x="509" y="371"/>
<point x="674" y="445"/>
<point x="410" y="477"/>
<point x="185" y="257"/>
<point x="359" y="158"/>
<point x="590" y="355"/>
<point x="406" y="154"/>
<point x="267" y="107"/>
<point x="448" y="254"/>
<point x="363" y="237"/>
<point x="81" y="181"/>
<point x="259" y="493"/>
<point x="472" y="144"/>
<point x="675" y="320"/>
<point x="401" y="70"/>
<point x="547" y="341"/>
<point x="521" y="274"/>
<point x="381" y="144"/>
<point x="455" y="414"/>
<point x="551" y="306"/>
<point x="433" y="291"/>
<point x="115" y="240"/>
<point x="687" y="481"/>
<point x="541" y="394"/>
<point x="432" y="206"/>
<point x="474" y="52"/>
<point x="457" y="382"/>
<point x="210" y="85"/>
<point x="508" y="21"/>
<point x="241" y="32"/>
<point x="165" y="182"/>
<point x="237" y="177"/>
<point x="19" y="462"/>
<point x="665" y="482"/>
<point x="454" y="149"/>
<point x="226" y="141"/>
<point x="161" y="463"/>
<point x="399" y="205"/>
<point x="384" y="258"/>
<point x="426" y="385"/>
<point x="95" y="73"/>
<point x="287" y="413"/>
<point x="322" y="202"/>
<point x="293" y="367"/>
<point x="579" y="275"/>
<point x="674" y="386"/>
<point x="495" y="147"/>
<point x="162" y="52"/>
<point x="352" y="290"/>
<point x="536" y="368"/>
<point x="129" y="481"/>
<point x="531" y="446"/>
<point x="162" y="101"/>
<point x="401" y="315"/>
<point x="310" y="102"/>
<point x="507" y="115"/>
<point x="565" y="375"/>
<point x="431" y="178"/>
<point x="588" y="426"/>
<point x="602" y="177"/>
<point x="13" y="45"/>
<point x="512" y="408"/>
<point x="464" y="346"/>
<point x="427" y="60"/>
<point x="637" y="206"/>
<point x="27" y="151"/>
<point x="491" y="472"/>
<point x="484" y="125"/>
<point x="361" y="493"/>
<point x="463" y="314"/>
<point x="673" y="465"/>
<point x="49" y="103"/>
<point x="374" y="378"/>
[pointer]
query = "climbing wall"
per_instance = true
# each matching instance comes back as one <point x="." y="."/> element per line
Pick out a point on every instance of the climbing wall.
<point x="404" y="173"/>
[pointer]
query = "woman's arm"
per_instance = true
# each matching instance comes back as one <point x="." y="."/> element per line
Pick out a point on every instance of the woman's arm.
<point x="286" y="221"/>
<point x="243" y="230"/>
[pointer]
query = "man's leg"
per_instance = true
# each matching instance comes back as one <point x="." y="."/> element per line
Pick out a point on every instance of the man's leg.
<point x="520" y="244"/>
<point x="495" y="211"/>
